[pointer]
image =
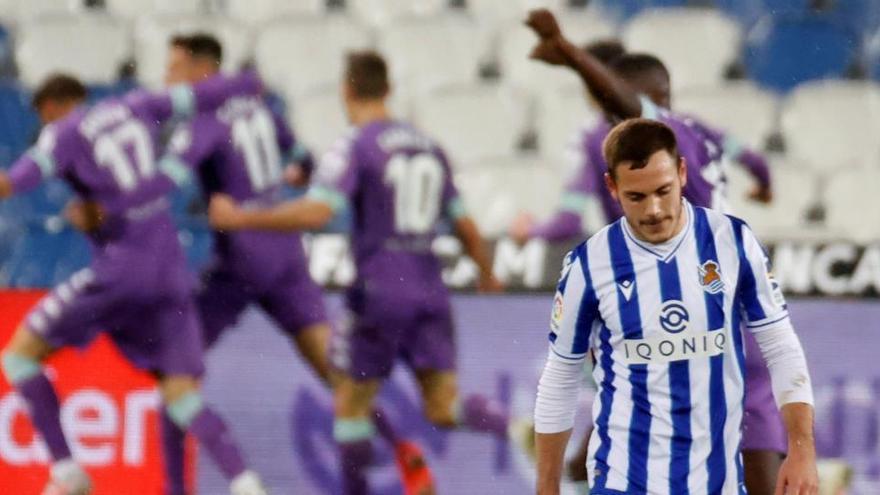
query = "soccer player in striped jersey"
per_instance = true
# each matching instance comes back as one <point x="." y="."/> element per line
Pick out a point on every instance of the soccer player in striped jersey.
<point x="399" y="187"/>
<point x="659" y="300"/>
<point x="616" y="87"/>
<point x="137" y="289"/>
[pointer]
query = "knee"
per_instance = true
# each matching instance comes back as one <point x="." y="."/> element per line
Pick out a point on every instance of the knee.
<point x="18" y="368"/>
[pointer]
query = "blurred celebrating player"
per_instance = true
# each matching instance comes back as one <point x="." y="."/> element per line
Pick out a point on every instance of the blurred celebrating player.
<point x="399" y="186"/>
<point x="137" y="288"/>
<point x="659" y="298"/>
<point x="239" y="150"/>
<point x="616" y="87"/>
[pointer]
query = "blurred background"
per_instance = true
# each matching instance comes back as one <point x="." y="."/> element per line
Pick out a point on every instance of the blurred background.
<point x="794" y="79"/>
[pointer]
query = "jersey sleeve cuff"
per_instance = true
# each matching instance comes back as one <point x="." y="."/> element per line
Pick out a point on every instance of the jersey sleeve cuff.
<point x="776" y="321"/>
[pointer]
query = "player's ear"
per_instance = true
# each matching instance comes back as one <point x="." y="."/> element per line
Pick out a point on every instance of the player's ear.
<point x="682" y="171"/>
<point x="611" y="185"/>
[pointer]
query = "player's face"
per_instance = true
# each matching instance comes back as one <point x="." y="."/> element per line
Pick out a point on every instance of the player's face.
<point x="52" y="110"/>
<point x="178" y="70"/>
<point x="651" y="196"/>
<point x="655" y="85"/>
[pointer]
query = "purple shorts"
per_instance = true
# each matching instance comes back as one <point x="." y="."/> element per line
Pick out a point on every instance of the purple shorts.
<point x="150" y="317"/>
<point x="762" y="424"/>
<point x="385" y="325"/>
<point x="293" y="300"/>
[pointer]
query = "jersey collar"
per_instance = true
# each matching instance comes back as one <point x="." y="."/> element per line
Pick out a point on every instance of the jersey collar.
<point x="665" y="251"/>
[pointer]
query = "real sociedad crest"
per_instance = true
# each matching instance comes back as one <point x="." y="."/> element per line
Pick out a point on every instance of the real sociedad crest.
<point x="710" y="277"/>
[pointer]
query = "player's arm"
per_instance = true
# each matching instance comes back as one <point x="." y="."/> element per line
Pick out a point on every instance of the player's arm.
<point x="574" y="311"/>
<point x="753" y="162"/>
<point x="40" y="162"/>
<point x="467" y="232"/>
<point x="615" y="96"/>
<point x="185" y="100"/>
<point x="766" y="316"/>
<point x="308" y="213"/>
<point x="298" y="160"/>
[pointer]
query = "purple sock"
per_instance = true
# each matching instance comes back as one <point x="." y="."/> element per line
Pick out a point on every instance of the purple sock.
<point x="477" y="414"/>
<point x="45" y="413"/>
<point x="356" y="456"/>
<point x="214" y="437"/>
<point x="173" y="443"/>
<point x="386" y="431"/>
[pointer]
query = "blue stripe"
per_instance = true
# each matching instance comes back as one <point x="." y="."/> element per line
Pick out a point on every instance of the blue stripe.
<point x="680" y="391"/>
<point x="631" y="323"/>
<point x="606" y="399"/>
<point x="748" y="287"/>
<point x="717" y="464"/>
<point x="589" y="306"/>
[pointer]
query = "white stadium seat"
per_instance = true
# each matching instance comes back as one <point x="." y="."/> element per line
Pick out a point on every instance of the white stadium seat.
<point x="300" y="54"/>
<point x="132" y="9"/>
<point x="516" y="42"/>
<point x="496" y="189"/>
<point x="89" y="47"/>
<point x="832" y="124"/>
<point x="696" y="45"/>
<point x="794" y="192"/>
<point x="562" y="115"/>
<point x="498" y="11"/>
<point x="259" y="11"/>
<point x="318" y="118"/>
<point x="380" y="13"/>
<point x="153" y="35"/>
<point x="472" y="122"/>
<point x="424" y="53"/>
<point x="741" y="109"/>
<point x="852" y="206"/>
<point x="25" y="10"/>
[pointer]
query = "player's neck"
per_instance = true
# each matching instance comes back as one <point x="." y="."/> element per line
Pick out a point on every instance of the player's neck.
<point x="369" y="111"/>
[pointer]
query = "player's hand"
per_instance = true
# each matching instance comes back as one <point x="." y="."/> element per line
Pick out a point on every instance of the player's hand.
<point x="520" y="228"/>
<point x="798" y="474"/>
<point x="295" y="176"/>
<point x="85" y="216"/>
<point x="761" y="194"/>
<point x="224" y="213"/>
<point x="544" y="24"/>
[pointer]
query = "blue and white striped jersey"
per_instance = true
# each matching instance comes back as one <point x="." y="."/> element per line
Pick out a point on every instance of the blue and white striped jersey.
<point x="663" y="325"/>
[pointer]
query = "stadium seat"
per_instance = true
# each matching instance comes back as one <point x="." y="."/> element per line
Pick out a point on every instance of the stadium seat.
<point x="778" y="57"/>
<point x="740" y="108"/>
<point x="472" y="122"/>
<point x="829" y="125"/>
<point x="18" y="122"/>
<point x="625" y="9"/>
<point x="91" y="47"/>
<point x="24" y="10"/>
<point x="562" y="116"/>
<point x="132" y="9"/>
<point x="299" y="54"/>
<point x="152" y="36"/>
<point x="318" y="118"/>
<point x="747" y="12"/>
<point x="697" y="45"/>
<point x="424" y="53"/>
<point x="254" y="12"/>
<point x="35" y="256"/>
<point x="850" y="203"/>
<point x="496" y="189"/>
<point x="794" y="192"/>
<point x="381" y="13"/>
<point x="516" y="42"/>
<point x="504" y="11"/>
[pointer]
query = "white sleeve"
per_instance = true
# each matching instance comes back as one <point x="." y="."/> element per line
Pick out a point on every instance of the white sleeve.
<point x="557" y="397"/>
<point x="575" y="309"/>
<point x="785" y="360"/>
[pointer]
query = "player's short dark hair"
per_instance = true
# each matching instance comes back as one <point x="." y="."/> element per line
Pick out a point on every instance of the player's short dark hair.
<point x="201" y="45"/>
<point x="633" y="141"/>
<point x="605" y="50"/>
<point x="367" y="74"/>
<point x="59" y="88"/>
<point x="630" y="65"/>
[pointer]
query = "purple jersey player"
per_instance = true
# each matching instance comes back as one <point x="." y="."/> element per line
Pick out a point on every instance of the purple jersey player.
<point x="617" y="88"/>
<point x="137" y="289"/>
<point x="398" y="185"/>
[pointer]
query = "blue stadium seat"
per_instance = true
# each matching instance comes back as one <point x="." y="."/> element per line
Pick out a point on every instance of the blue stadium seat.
<point x="778" y="56"/>
<point x="35" y="256"/>
<point x="621" y="10"/>
<point x="18" y="122"/>
<point x="862" y="16"/>
<point x="747" y="12"/>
